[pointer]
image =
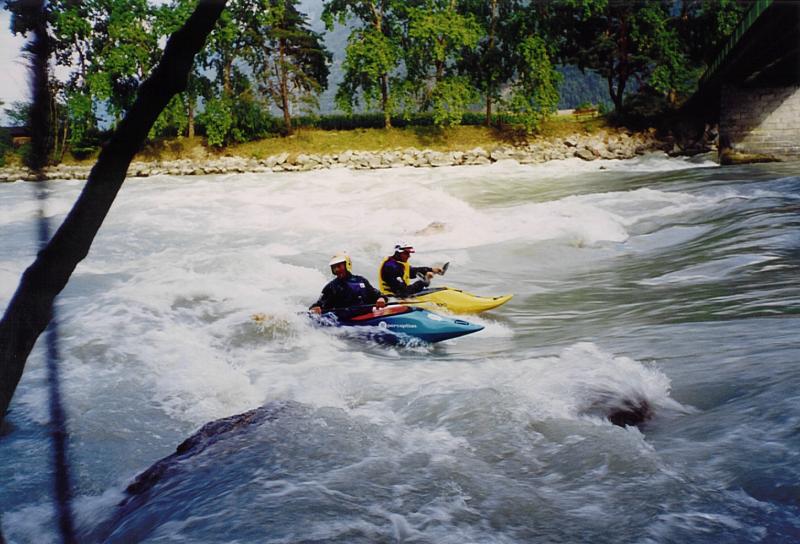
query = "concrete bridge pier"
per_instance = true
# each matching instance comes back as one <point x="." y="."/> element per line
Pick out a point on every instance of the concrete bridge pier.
<point x="752" y="88"/>
<point x="759" y="123"/>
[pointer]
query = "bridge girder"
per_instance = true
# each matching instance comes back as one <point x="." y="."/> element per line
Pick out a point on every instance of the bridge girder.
<point x="766" y="55"/>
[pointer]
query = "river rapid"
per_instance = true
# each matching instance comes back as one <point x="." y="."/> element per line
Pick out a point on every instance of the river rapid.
<point x="668" y="282"/>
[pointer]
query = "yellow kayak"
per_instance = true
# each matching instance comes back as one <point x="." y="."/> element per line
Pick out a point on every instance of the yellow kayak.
<point x="454" y="301"/>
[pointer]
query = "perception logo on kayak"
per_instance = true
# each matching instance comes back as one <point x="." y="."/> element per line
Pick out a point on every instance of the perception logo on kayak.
<point x="384" y="325"/>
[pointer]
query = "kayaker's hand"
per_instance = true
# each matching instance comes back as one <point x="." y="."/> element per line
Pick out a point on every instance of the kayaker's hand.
<point x="429" y="276"/>
<point x="315" y="310"/>
<point x="437" y="270"/>
<point x="380" y="303"/>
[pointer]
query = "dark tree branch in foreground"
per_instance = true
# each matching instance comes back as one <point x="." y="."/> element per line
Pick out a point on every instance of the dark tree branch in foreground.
<point x="30" y="309"/>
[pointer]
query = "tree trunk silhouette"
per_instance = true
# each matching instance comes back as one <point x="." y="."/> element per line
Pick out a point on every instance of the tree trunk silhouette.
<point x="190" y="124"/>
<point x="31" y="307"/>
<point x="283" y="78"/>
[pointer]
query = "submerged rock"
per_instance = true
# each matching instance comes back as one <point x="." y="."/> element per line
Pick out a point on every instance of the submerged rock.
<point x="731" y="157"/>
<point x="434" y="227"/>
<point x="630" y="413"/>
<point x="620" y="411"/>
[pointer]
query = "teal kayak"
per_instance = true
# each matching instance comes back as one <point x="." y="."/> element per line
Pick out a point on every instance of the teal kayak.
<point x="399" y="320"/>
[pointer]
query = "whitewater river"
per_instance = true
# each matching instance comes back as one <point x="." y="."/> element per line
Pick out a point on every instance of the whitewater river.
<point x="662" y="283"/>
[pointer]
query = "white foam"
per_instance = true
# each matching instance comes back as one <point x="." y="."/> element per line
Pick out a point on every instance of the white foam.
<point x="181" y="264"/>
<point x="31" y="523"/>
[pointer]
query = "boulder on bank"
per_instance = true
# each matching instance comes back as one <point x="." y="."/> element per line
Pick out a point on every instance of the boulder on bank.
<point x="607" y="144"/>
<point x="731" y="156"/>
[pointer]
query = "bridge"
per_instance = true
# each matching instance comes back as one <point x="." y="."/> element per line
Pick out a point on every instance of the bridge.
<point x="752" y="88"/>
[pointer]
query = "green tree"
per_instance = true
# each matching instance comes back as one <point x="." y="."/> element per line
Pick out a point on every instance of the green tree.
<point x="18" y="113"/>
<point x="232" y="111"/>
<point x="511" y="65"/>
<point x="490" y="64"/>
<point x="169" y="18"/>
<point x="373" y="52"/>
<point x="661" y="45"/>
<point x="218" y="120"/>
<point x="172" y="121"/>
<point x="534" y="91"/>
<point x="25" y="15"/>
<point x="290" y="61"/>
<point x="82" y="121"/>
<point x="124" y="49"/>
<point x="107" y="46"/>
<point x="226" y="44"/>
<point x="674" y="75"/>
<point x="5" y="144"/>
<point x="705" y="24"/>
<point x="615" y="38"/>
<point x="436" y="37"/>
<point x="72" y="29"/>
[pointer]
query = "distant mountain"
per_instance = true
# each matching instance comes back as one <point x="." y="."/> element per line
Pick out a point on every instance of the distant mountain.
<point x="581" y="88"/>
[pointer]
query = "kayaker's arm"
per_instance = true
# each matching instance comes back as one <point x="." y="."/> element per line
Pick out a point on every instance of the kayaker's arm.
<point x="377" y="297"/>
<point x="417" y="270"/>
<point x="425" y="275"/>
<point x="425" y="270"/>
<point x="326" y="300"/>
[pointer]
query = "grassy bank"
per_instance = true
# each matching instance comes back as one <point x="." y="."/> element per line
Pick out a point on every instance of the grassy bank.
<point x="438" y="139"/>
<point x="321" y="142"/>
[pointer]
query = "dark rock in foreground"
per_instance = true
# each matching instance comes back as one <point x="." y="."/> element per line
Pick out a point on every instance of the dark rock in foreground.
<point x="209" y="434"/>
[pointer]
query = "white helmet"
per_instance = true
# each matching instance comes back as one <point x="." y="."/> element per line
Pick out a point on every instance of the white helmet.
<point x="342" y="257"/>
<point x="402" y="246"/>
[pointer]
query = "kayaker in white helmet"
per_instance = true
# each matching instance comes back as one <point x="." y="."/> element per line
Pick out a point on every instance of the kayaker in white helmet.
<point x="395" y="274"/>
<point x="346" y="290"/>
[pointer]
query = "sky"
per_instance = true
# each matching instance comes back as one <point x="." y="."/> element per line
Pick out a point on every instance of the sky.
<point x="13" y="73"/>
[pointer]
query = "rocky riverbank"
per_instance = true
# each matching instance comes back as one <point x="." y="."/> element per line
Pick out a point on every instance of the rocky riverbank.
<point x="605" y="144"/>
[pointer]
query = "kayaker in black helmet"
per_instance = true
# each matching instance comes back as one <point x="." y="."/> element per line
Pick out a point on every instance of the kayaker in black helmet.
<point x="395" y="273"/>
<point x="346" y="290"/>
